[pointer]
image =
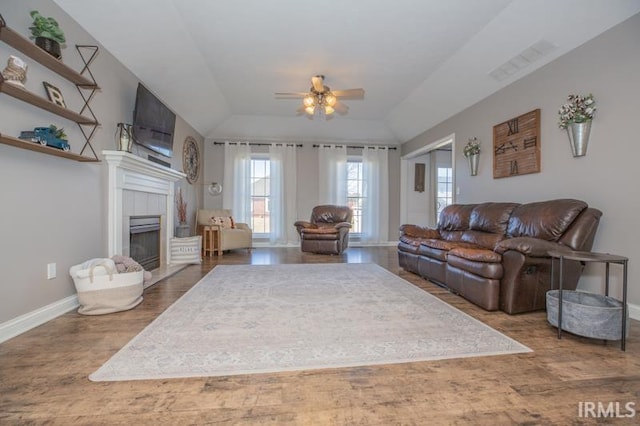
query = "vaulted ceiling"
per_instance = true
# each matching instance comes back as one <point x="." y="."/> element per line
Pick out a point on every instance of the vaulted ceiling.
<point x="218" y="63"/>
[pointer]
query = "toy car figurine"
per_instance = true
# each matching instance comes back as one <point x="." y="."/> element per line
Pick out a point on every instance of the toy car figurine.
<point x="47" y="136"/>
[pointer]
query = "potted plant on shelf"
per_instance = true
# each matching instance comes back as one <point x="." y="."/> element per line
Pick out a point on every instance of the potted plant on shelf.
<point x="472" y="153"/>
<point x="47" y="34"/>
<point x="182" y="230"/>
<point x="576" y="116"/>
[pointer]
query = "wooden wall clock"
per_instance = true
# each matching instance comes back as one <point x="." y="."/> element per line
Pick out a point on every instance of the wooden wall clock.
<point x="191" y="159"/>
<point x="516" y="146"/>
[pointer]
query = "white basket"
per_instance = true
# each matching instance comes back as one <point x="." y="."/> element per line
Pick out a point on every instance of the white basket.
<point x="101" y="290"/>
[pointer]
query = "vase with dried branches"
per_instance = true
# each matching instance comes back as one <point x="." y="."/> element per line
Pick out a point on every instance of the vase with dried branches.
<point x="182" y="230"/>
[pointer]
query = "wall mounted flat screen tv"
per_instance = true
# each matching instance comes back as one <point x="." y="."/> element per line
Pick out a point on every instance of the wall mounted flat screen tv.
<point x="153" y="123"/>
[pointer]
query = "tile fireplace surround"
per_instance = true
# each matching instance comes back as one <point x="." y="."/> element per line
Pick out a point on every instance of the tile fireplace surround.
<point x="139" y="187"/>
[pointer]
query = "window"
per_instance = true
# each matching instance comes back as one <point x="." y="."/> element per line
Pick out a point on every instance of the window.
<point x="355" y="192"/>
<point x="445" y="189"/>
<point x="260" y="195"/>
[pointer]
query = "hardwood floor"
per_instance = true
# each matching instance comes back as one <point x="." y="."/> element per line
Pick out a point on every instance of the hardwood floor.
<point x="43" y="373"/>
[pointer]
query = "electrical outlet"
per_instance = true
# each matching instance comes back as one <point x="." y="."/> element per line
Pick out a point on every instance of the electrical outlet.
<point x="51" y="271"/>
<point x="457" y="190"/>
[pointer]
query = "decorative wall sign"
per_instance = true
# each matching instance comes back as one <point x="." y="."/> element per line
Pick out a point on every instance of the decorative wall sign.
<point x="418" y="178"/>
<point x="516" y="146"/>
<point x="54" y="94"/>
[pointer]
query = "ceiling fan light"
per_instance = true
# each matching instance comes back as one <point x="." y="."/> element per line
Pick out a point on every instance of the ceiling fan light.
<point x="328" y="109"/>
<point x="330" y="100"/>
<point x="310" y="109"/>
<point x="308" y="101"/>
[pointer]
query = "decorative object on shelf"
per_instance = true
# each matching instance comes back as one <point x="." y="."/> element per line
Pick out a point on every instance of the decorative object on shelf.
<point x="124" y="139"/>
<point x="191" y="159"/>
<point x="54" y="94"/>
<point x="472" y="153"/>
<point x="182" y="230"/>
<point x="516" y="146"/>
<point x="418" y="177"/>
<point x="214" y="189"/>
<point x="576" y="117"/>
<point x="47" y="34"/>
<point x="83" y="80"/>
<point x="49" y="136"/>
<point x="16" y="71"/>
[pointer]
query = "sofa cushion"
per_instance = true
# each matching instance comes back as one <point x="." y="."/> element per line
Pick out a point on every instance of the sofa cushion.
<point x="491" y="217"/>
<point x="455" y="217"/>
<point x="477" y="255"/>
<point x="546" y="220"/>
<point x="482" y="239"/>
<point x="446" y="245"/>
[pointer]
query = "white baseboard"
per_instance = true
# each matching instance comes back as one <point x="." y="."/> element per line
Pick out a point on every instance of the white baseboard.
<point x="30" y="320"/>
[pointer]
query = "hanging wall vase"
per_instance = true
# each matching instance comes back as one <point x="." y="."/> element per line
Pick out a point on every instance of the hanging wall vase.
<point x="579" y="137"/>
<point x="473" y="163"/>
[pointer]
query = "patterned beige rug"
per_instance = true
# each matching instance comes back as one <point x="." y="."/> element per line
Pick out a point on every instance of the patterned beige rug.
<point x="269" y="318"/>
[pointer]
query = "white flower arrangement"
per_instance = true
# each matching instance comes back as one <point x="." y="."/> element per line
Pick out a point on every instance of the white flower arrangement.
<point x="472" y="147"/>
<point x="579" y="109"/>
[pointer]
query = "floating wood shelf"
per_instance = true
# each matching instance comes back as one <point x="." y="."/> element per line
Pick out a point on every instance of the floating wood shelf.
<point x="40" y="102"/>
<point x="25" y="46"/>
<point x="33" y="146"/>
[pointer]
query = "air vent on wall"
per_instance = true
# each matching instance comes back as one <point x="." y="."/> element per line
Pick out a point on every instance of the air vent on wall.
<point x="523" y="59"/>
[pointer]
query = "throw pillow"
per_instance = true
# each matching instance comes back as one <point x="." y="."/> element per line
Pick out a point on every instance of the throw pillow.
<point x="223" y="222"/>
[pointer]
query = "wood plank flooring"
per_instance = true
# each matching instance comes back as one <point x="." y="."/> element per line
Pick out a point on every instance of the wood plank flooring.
<point x="43" y="373"/>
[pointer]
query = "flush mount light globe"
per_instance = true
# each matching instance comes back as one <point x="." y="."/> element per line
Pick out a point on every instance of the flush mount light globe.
<point x="214" y="189"/>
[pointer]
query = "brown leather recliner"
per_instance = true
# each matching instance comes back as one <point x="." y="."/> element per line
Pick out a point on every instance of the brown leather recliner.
<point x="327" y="232"/>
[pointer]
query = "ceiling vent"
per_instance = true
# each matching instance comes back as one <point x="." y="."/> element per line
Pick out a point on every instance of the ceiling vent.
<point x="523" y="59"/>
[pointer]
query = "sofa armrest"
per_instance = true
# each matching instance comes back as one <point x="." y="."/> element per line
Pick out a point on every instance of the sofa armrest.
<point x="418" y="231"/>
<point x="342" y="225"/>
<point x="529" y="246"/>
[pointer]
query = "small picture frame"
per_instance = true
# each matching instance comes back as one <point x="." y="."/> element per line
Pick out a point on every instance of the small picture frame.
<point x="54" y="94"/>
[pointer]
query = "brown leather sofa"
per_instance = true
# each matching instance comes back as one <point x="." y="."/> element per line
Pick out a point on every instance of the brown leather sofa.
<point x="496" y="254"/>
<point x="327" y="231"/>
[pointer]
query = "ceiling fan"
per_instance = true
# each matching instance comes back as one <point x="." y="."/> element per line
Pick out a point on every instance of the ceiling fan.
<point x="321" y="100"/>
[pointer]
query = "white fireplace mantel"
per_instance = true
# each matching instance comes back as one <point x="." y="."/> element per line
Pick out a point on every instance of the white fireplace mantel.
<point x="127" y="172"/>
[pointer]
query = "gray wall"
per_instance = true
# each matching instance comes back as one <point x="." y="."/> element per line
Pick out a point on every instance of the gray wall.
<point x="307" y="180"/>
<point x="607" y="66"/>
<point x="53" y="209"/>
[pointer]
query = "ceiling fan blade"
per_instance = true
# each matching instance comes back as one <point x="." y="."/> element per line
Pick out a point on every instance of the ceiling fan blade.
<point x="318" y="83"/>
<point x="349" y="93"/>
<point x="341" y="108"/>
<point x="286" y="95"/>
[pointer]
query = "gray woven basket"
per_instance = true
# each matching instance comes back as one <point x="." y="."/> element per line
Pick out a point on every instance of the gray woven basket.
<point x="587" y="314"/>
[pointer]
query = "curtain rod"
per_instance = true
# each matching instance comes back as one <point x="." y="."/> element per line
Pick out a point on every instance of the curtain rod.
<point x="357" y="146"/>
<point x="261" y="144"/>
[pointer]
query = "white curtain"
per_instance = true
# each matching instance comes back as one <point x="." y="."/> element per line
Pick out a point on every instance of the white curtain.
<point x="332" y="174"/>
<point x="375" y="212"/>
<point x="236" y="195"/>
<point x="283" y="211"/>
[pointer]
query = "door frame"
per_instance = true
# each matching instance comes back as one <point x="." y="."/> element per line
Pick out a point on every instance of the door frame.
<point x="405" y="171"/>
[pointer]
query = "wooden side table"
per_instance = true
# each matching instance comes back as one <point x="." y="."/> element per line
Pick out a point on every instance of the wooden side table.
<point x="583" y="256"/>
<point x="211" y="241"/>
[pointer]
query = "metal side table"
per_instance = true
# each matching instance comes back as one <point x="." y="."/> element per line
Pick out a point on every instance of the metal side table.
<point x="583" y="256"/>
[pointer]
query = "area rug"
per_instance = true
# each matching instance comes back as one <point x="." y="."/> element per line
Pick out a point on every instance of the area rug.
<point x="269" y="318"/>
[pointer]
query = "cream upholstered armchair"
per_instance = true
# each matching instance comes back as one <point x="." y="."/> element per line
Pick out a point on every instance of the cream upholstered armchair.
<point x="232" y="235"/>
